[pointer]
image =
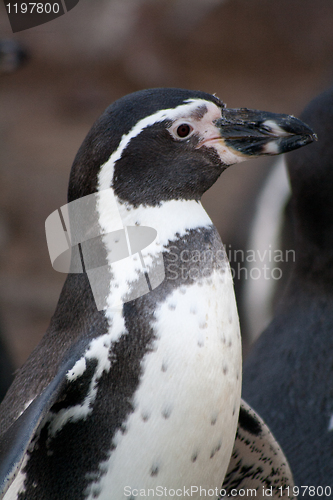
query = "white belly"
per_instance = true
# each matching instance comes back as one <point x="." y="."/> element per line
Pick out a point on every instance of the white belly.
<point x="182" y="431"/>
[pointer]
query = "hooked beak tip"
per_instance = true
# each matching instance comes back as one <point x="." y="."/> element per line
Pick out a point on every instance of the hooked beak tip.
<point x="256" y="133"/>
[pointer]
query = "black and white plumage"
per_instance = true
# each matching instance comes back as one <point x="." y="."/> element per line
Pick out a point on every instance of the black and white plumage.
<point x="257" y="463"/>
<point x="148" y="393"/>
<point x="288" y="376"/>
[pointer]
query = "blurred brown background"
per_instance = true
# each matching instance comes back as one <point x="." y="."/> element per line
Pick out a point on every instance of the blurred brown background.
<point x="265" y="54"/>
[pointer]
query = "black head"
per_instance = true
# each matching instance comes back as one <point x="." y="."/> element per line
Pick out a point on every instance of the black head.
<point x="164" y="144"/>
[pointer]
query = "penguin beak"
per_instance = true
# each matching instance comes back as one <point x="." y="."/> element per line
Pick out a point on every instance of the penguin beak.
<point x="251" y="133"/>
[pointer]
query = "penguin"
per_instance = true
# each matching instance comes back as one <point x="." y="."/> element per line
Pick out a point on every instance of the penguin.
<point x="288" y="376"/>
<point x="259" y="294"/>
<point x="126" y="397"/>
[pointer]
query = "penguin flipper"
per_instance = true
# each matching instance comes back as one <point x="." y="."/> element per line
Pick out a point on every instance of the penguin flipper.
<point x="15" y="441"/>
<point x="257" y="461"/>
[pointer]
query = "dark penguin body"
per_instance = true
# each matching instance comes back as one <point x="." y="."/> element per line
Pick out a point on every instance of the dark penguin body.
<point x="288" y="377"/>
<point x="147" y="392"/>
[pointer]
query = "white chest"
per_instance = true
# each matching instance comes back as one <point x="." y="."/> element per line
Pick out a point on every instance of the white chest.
<point x="182" y="431"/>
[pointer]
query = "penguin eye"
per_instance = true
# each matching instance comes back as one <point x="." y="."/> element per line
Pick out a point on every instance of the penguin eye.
<point x="184" y="130"/>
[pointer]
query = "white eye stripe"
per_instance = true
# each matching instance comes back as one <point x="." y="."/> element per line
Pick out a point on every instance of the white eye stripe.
<point x="106" y="174"/>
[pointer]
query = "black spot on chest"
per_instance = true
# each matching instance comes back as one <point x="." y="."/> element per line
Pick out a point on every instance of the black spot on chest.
<point x="249" y="423"/>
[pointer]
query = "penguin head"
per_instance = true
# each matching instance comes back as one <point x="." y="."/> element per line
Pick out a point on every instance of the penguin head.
<point x="170" y="144"/>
